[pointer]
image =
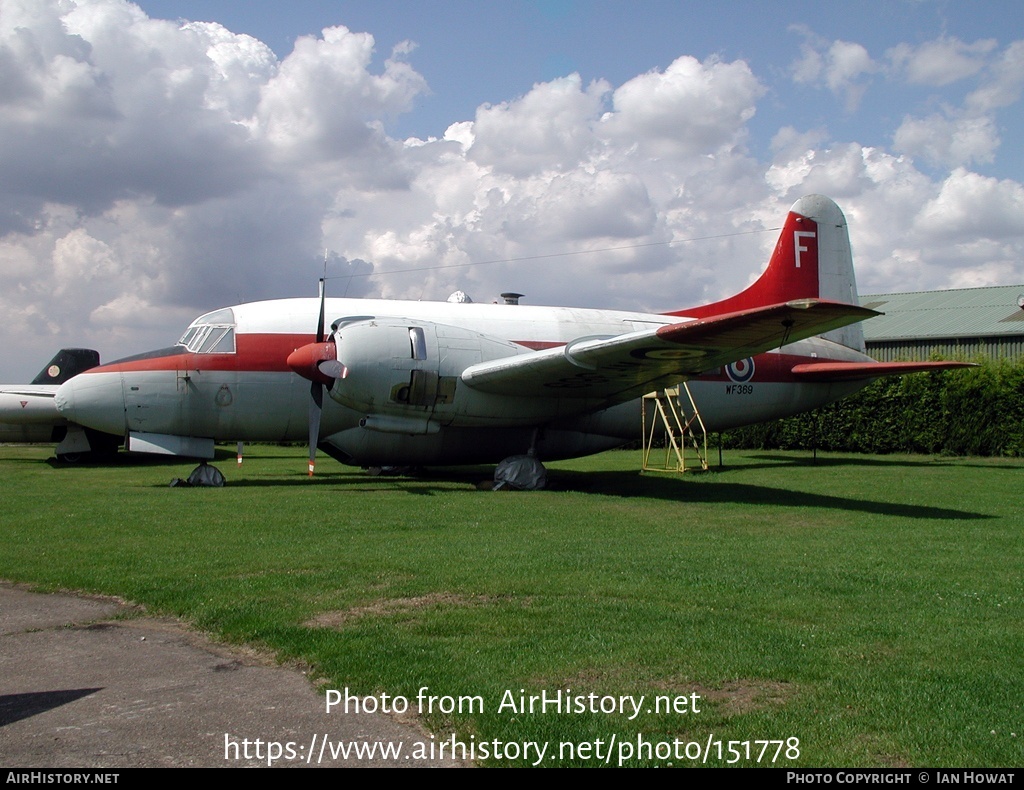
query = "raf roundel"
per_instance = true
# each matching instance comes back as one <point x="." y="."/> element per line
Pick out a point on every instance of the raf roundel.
<point x="741" y="371"/>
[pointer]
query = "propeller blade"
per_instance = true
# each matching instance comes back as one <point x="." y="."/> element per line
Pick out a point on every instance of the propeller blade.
<point x="316" y="387"/>
<point x="333" y="369"/>
<point x="320" y="322"/>
<point x="316" y="405"/>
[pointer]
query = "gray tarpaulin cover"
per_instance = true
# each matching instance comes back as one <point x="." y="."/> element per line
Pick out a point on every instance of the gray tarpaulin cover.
<point x="522" y="472"/>
<point x="203" y="475"/>
<point x="206" y="475"/>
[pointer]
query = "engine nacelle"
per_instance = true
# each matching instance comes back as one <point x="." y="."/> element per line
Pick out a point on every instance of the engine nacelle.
<point x="410" y="370"/>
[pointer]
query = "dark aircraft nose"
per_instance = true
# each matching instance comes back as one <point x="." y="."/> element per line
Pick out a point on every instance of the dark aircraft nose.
<point x="95" y="400"/>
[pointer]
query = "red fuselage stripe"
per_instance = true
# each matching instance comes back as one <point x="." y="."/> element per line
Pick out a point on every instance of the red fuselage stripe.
<point x="269" y="353"/>
<point x="256" y="352"/>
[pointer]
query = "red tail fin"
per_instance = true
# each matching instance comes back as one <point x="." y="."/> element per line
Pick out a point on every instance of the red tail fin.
<point x="812" y="260"/>
<point x="792" y="272"/>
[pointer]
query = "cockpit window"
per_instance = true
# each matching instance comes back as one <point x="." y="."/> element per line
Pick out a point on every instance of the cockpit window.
<point x="223" y="316"/>
<point x="214" y="342"/>
<point x="187" y="337"/>
<point x="213" y="333"/>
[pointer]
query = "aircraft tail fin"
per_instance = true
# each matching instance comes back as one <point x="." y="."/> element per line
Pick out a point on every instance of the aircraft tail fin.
<point x="67" y="362"/>
<point x="812" y="260"/>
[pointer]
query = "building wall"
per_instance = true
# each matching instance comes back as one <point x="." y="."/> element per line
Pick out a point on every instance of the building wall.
<point x="1006" y="347"/>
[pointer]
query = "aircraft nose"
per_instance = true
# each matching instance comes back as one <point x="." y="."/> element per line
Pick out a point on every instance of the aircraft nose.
<point x="95" y="400"/>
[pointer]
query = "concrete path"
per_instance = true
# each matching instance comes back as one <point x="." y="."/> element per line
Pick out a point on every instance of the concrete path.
<point x="80" y="689"/>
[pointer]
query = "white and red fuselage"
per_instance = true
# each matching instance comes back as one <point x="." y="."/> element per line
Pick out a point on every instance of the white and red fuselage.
<point x="246" y="391"/>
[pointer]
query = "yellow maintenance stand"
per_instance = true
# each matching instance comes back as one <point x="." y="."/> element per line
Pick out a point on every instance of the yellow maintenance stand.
<point x="682" y="426"/>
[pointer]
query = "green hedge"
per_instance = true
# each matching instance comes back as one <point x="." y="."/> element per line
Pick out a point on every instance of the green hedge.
<point x="975" y="411"/>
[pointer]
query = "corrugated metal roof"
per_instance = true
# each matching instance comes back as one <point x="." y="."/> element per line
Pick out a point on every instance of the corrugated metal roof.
<point x="963" y="312"/>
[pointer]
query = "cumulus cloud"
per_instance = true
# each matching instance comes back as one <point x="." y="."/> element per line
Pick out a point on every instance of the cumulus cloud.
<point x="155" y="170"/>
<point x="1003" y="87"/>
<point x="974" y="206"/>
<point x="789" y="142"/>
<point x="118" y="105"/>
<point x="568" y="165"/>
<point x="689" y="109"/>
<point x="942" y="61"/>
<point x="550" y="128"/>
<point x="908" y="232"/>
<point x="841" y="65"/>
<point x="323" y="99"/>
<point x="964" y="132"/>
<point x="948" y="141"/>
<point x="158" y="164"/>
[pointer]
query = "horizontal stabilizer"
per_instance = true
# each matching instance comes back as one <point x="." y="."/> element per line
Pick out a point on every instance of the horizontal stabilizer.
<point x="848" y="371"/>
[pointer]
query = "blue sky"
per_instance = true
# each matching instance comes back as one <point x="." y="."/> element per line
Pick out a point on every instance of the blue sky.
<point x="473" y="53"/>
<point x="168" y="158"/>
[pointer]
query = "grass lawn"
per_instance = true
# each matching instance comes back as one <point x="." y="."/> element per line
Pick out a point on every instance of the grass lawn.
<point x="869" y="606"/>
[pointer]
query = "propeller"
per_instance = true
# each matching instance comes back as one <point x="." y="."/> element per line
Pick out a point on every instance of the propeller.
<point x="319" y="363"/>
<point x="316" y="388"/>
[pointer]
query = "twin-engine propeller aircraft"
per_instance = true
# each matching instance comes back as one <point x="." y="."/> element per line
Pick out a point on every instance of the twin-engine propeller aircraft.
<point x="422" y="383"/>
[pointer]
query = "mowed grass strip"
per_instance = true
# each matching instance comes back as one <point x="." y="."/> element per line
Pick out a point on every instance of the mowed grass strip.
<point x="868" y="606"/>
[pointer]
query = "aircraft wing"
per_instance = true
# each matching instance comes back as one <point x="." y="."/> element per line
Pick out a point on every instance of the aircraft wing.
<point x="28" y="404"/>
<point x="30" y="391"/>
<point x="618" y="368"/>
